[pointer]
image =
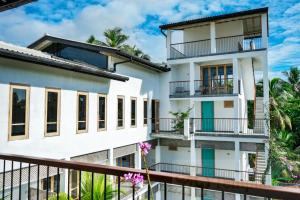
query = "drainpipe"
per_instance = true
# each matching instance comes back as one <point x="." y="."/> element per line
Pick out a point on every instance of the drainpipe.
<point x="163" y="32"/>
<point x="117" y="63"/>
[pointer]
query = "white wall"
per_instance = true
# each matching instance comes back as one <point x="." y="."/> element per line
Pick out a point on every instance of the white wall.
<point x="230" y="28"/>
<point x="70" y="144"/>
<point x="196" y="33"/>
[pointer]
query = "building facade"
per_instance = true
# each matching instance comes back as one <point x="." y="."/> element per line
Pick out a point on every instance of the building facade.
<point x="69" y="100"/>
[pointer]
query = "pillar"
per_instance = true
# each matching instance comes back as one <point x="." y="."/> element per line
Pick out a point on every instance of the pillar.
<point x="213" y="37"/>
<point x="264" y="30"/>
<point x="193" y="162"/>
<point x="192" y="78"/>
<point x="168" y="43"/>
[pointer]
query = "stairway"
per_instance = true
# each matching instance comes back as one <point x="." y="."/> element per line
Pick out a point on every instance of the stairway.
<point x="259" y="114"/>
<point x="261" y="165"/>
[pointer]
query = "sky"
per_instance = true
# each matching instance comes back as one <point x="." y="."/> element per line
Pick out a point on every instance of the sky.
<point x="140" y="19"/>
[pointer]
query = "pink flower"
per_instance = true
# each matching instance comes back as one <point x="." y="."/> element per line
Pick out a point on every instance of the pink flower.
<point x="145" y="147"/>
<point x="135" y="179"/>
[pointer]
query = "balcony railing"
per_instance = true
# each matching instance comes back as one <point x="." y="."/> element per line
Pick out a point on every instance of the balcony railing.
<point x="190" y="49"/>
<point x="19" y="180"/>
<point x="179" y="89"/>
<point x="231" y="44"/>
<point x="208" y="172"/>
<point x="213" y="87"/>
<point x="237" y="44"/>
<point x="212" y="126"/>
<point x="229" y="126"/>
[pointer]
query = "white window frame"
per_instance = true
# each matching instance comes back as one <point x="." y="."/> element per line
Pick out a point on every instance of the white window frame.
<point x="58" y="91"/>
<point x="86" y="112"/>
<point x="98" y="120"/>
<point x="123" y="117"/>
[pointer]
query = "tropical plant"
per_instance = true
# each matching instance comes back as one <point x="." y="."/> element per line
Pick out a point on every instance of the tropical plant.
<point x="116" y="38"/>
<point x="179" y="119"/>
<point x="293" y="78"/>
<point x="98" y="187"/>
<point x="61" y="196"/>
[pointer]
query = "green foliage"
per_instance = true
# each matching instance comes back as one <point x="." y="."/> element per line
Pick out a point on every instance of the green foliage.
<point x="179" y="119"/>
<point x="98" y="187"/>
<point x="62" y="196"/>
<point x="116" y="38"/>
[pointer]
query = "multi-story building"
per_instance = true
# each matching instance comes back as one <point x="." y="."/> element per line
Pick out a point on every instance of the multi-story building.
<point x="214" y="63"/>
<point x="69" y="100"/>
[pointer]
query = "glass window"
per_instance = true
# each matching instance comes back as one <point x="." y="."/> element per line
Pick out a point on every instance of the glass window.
<point x="126" y="161"/>
<point x="145" y="111"/>
<point x="133" y="112"/>
<point x="102" y="112"/>
<point x="82" y="112"/>
<point x="120" y="123"/>
<point x="52" y="112"/>
<point x="19" y="110"/>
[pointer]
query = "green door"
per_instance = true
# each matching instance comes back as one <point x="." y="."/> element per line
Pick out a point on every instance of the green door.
<point x="208" y="162"/>
<point x="207" y="108"/>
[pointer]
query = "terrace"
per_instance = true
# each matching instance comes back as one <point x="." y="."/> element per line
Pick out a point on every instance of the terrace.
<point x="24" y="183"/>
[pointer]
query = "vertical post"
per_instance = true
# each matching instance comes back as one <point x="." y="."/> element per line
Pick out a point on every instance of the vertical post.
<point x="193" y="164"/>
<point x="268" y="176"/>
<point x="192" y="78"/>
<point x="213" y="45"/>
<point x="236" y="122"/>
<point x="111" y="157"/>
<point x="264" y="30"/>
<point x="138" y="158"/>
<point x="168" y="43"/>
<point x="237" y="160"/>
<point x="186" y="128"/>
<point x="266" y="94"/>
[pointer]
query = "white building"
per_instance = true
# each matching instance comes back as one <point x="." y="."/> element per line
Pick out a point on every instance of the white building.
<point x="69" y="100"/>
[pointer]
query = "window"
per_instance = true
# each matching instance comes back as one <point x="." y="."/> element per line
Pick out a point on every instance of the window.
<point x="133" y="111"/>
<point x="74" y="184"/>
<point x="228" y="104"/>
<point x="18" y="112"/>
<point x="126" y="161"/>
<point x="145" y="112"/>
<point x="101" y="112"/>
<point x="51" y="185"/>
<point x="52" y="112"/>
<point x="120" y="120"/>
<point x="82" y="112"/>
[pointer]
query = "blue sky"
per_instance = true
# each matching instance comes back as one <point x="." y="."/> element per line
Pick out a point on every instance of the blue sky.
<point x="140" y="20"/>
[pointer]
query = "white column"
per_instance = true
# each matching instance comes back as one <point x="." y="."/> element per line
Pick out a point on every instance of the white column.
<point x="138" y="159"/>
<point x="64" y="187"/>
<point x="213" y="37"/>
<point x="237" y="160"/>
<point x="268" y="177"/>
<point x="236" y="121"/>
<point x="111" y="157"/>
<point x="193" y="161"/>
<point x="266" y="94"/>
<point x="192" y="114"/>
<point x="157" y="154"/>
<point x="192" y="78"/>
<point x="168" y="43"/>
<point x="264" y="30"/>
<point x="235" y="63"/>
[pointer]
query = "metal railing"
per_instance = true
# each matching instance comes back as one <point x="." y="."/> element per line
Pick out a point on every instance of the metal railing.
<point x="168" y="125"/>
<point x="179" y="89"/>
<point x="229" y="126"/>
<point x="18" y="178"/>
<point x="190" y="49"/>
<point x="208" y="172"/>
<point x="238" y="43"/>
<point x="213" y="87"/>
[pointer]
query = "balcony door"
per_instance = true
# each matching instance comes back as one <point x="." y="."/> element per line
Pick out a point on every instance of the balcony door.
<point x="208" y="162"/>
<point x="155" y="115"/>
<point x="207" y="113"/>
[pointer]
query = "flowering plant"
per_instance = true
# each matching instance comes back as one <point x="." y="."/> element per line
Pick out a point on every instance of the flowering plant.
<point x="135" y="179"/>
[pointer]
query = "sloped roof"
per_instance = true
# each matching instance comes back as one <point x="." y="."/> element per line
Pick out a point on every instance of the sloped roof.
<point x="35" y="56"/>
<point x="40" y="43"/>
<point x="214" y="18"/>
<point x="9" y="4"/>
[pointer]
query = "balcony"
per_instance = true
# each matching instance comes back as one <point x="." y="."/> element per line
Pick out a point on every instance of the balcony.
<point x="231" y="44"/>
<point x="21" y="178"/>
<point x="202" y="88"/>
<point x="207" y="172"/>
<point x="171" y="127"/>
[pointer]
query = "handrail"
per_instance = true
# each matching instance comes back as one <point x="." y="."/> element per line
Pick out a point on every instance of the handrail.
<point x="179" y="179"/>
<point x="190" y="42"/>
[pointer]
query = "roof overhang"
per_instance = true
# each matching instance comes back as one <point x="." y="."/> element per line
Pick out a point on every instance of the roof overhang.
<point x="9" y="4"/>
<point x="60" y="64"/>
<point x="47" y="40"/>
<point x="208" y="19"/>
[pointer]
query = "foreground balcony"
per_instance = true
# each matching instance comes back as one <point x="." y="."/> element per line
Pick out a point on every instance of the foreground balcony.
<point x="202" y="88"/>
<point x="231" y="44"/>
<point x="21" y="177"/>
<point x="166" y="127"/>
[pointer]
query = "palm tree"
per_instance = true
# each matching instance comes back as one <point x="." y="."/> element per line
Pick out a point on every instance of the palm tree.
<point x="114" y="37"/>
<point x="279" y="94"/>
<point x="133" y="50"/>
<point x="93" y="40"/>
<point x="98" y="187"/>
<point x="61" y="196"/>
<point x="293" y="78"/>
